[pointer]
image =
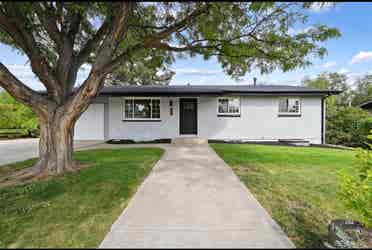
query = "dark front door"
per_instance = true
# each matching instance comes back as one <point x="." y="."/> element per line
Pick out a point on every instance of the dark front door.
<point x="188" y="116"/>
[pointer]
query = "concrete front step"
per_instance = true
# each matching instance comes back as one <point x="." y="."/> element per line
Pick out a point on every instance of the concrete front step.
<point x="189" y="140"/>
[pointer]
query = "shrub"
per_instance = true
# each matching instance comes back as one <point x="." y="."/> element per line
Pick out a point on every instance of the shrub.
<point x="356" y="185"/>
<point x="348" y="126"/>
<point x="15" y="115"/>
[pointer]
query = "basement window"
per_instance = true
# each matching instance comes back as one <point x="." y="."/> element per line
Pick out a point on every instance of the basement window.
<point x="289" y="107"/>
<point x="141" y="109"/>
<point x="228" y="107"/>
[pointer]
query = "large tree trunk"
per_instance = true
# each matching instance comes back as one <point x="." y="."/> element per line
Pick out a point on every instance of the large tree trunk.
<point x="57" y="130"/>
<point x="55" y="144"/>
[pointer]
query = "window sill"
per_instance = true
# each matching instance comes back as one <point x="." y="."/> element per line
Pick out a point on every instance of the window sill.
<point x="141" y="120"/>
<point x="228" y="115"/>
<point x="289" y="115"/>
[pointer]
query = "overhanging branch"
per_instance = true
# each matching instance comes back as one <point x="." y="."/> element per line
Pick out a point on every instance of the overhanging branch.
<point x="154" y="40"/>
<point x="14" y="24"/>
<point x="91" y="44"/>
<point x="20" y="91"/>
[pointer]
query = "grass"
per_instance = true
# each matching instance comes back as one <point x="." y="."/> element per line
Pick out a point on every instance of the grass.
<point x="296" y="185"/>
<point x="77" y="209"/>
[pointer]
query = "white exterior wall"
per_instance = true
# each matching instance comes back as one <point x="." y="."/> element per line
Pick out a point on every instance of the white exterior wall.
<point x="144" y="130"/>
<point x="259" y="121"/>
<point x="90" y="125"/>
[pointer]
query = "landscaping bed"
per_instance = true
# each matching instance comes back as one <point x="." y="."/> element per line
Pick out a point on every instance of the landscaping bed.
<point x="127" y="141"/>
<point x="296" y="185"/>
<point x="75" y="210"/>
<point x="15" y="133"/>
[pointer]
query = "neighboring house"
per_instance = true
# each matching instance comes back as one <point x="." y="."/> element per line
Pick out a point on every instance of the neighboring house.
<point x="236" y="112"/>
<point x="367" y="106"/>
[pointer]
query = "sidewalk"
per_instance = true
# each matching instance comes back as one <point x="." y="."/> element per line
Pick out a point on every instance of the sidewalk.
<point x="193" y="199"/>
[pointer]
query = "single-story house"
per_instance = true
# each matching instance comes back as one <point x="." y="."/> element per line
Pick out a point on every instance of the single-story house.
<point x="235" y="112"/>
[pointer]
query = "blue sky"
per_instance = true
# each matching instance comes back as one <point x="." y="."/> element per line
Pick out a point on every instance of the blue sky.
<point x="350" y="54"/>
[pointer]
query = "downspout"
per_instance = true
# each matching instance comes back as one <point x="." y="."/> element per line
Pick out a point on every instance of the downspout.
<point x="323" y="119"/>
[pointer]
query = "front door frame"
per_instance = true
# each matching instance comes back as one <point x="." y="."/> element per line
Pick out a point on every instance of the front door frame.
<point x="196" y="99"/>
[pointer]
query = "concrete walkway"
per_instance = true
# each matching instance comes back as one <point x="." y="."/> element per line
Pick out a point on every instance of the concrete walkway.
<point x="18" y="150"/>
<point x="193" y="199"/>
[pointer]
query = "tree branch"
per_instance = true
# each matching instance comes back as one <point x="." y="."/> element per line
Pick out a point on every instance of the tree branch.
<point x="116" y="33"/>
<point x="74" y="26"/>
<point x="49" y="21"/>
<point x="92" y="43"/>
<point x="14" y="25"/>
<point x="90" y="88"/>
<point x="178" y="25"/>
<point x="114" y="64"/>
<point x="188" y="47"/>
<point x="153" y="40"/>
<point x="21" y="92"/>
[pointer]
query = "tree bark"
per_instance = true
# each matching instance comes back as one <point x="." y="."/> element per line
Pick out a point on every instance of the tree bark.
<point x="55" y="144"/>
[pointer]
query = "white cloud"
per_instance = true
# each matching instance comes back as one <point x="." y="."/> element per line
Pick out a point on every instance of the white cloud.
<point x="352" y="78"/>
<point x="329" y="64"/>
<point x="291" y="31"/>
<point x="343" y="71"/>
<point x="321" y="6"/>
<point x="362" y="56"/>
<point x="194" y="71"/>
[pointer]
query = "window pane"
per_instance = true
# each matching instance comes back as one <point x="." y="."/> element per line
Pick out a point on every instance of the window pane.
<point x="155" y="108"/>
<point x="234" y="105"/>
<point x="289" y="105"/>
<point x="223" y="106"/>
<point x="283" y="106"/>
<point x="293" y="105"/>
<point x="128" y="109"/>
<point x="142" y="108"/>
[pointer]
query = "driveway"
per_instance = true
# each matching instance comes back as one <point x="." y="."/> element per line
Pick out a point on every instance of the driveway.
<point x="193" y="199"/>
<point x="18" y="150"/>
<point x="23" y="149"/>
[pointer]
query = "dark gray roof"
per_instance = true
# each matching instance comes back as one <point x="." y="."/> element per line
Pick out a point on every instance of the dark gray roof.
<point x="174" y="90"/>
<point x="366" y="105"/>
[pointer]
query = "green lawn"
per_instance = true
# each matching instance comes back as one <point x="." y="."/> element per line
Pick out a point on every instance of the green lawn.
<point x="296" y="185"/>
<point x="77" y="209"/>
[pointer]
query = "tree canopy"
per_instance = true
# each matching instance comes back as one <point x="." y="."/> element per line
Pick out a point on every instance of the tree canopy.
<point x="363" y="91"/>
<point x="345" y="124"/>
<point x="241" y="35"/>
<point x="334" y="81"/>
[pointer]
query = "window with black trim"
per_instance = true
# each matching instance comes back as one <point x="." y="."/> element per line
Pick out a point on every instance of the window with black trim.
<point x="228" y="106"/>
<point x="289" y="106"/>
<point x="141" y="109"/>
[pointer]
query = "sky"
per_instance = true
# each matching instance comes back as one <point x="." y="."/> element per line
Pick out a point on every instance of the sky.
<point x="350" y="54"/>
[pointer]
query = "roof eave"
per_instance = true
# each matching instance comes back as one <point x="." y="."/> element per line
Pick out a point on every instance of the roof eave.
<point x="224" y="93"/>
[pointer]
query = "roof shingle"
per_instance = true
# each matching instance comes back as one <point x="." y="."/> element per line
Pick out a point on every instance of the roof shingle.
<point x="211" y="90"/>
